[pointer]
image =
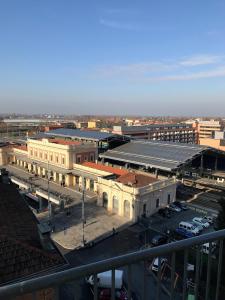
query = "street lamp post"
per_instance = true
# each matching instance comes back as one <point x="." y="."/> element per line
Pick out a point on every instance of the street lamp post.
<point x="83" y="215"/>
<point x="49" y="202"/>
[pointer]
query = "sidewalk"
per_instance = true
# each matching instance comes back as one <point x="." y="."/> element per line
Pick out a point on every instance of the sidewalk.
<point x="42" y="183"/>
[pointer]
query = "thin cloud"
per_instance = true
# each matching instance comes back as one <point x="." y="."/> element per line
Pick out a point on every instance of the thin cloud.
<point x="163" y="70"/>
<point x="218" y="72"/>
<point x="201" y="60"/>
<point x="118" y="25"/>
<point x="135" y="69"/>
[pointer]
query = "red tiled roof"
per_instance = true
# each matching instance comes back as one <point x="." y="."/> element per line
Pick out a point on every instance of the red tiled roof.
<point x="136" y="180"/>
<point x="18" y="259"/>
<point x="21" y="147"/>
<point x="64" y="142"/>
<point x="21" y="251"/>
<point x="102" y="167"/>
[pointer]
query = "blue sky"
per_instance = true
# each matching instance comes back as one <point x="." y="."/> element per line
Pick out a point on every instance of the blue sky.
<point x="113" y="57"/>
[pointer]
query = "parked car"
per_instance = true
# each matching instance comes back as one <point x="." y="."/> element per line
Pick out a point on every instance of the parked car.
<point x="181" y="205"/>
<point x="155" y="263"/>
<point x="164" y="212"/>
<point x="209" y="219"/>
<point x="173" y="207"/>
<point x="105" y="294"/>
<point x="201" y="221"/>
<point x="199" y="227"/>
<point x="189" y="227"/>
<point x="205" y="248"/>
<point x="158" y="240"/>
<point x="184" y="233"/>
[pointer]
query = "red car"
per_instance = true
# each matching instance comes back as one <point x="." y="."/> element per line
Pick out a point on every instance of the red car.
<point x="106" y="295"/>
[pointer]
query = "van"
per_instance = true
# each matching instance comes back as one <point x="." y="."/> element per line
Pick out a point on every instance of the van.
<point x="220" y="180"/>
<point x="205" y="248"/>
<point x="189" y="227"/>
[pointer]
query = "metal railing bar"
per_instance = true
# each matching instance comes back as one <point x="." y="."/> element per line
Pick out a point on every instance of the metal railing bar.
<point x="34" y="296"/>
<point x="208" y="273"/>
<point x="129" y="271"/>
<point x="197" y="271"/>
<point x="143" y="294"/>
<point x="185" y="274"/>
<point x="56" y="293"/>
<point x="172" y="275"/>
<point x="219" y="271"/>
<point x="113" y="285"/>
<point x="158" y="291"/>
<point x="95" y="287"/>
<point x="49" y="280"/>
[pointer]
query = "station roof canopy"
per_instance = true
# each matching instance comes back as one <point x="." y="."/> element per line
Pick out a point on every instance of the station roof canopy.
<point x="80" y="134"/>
<point x="166" y="156"/>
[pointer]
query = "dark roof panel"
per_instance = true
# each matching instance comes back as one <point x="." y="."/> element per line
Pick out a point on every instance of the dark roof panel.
<point x="80" y="134"/>
<point x="155" y="154"/>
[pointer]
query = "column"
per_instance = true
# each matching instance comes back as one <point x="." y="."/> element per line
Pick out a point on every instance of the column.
<point x="67" y="180"/>
<point x="80" y="182"/>
<point x="60" y="177"/>
<point x="88" y="184"/>
<point x="54" y="176"/>
<point x="38" y="170"/>
<point x="29" y="167"/>
<point x="95" y="186"/>
<point x="44" y="173"/>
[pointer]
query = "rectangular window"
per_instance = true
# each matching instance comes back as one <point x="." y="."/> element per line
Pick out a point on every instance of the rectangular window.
<point x="92" y="157"/>
<point x="57" y="158"/>
<point x="31" y="152"/>
<point x="46" y="156"/>
<point x="78" y="160"/>
<point x="63" y="160"/>
<point x="157" y="203"/>
<point x="35" y="153"/>
<point x="40" y="154"/>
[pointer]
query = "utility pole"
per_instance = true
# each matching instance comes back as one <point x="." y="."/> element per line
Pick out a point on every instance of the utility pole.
<point x="49" y="202"/>
<point x="83" y="215"/>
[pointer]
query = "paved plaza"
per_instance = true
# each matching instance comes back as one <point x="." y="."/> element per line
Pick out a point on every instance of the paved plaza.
<point x="68" y="225"/>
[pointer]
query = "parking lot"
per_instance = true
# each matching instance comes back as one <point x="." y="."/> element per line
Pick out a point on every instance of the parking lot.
<point x="161" y="224"/>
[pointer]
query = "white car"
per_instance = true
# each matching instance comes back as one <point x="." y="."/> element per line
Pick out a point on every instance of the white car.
<point x="209" y="219"/>
<point x="205" y="248"/>
<point x="201" y="221"/>
<point x="199" y="227"/>
<point x="155" y="263"/>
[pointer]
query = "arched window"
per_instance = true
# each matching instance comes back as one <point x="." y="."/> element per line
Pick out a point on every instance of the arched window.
<point x="115" y="205"/>
<point x="105" y="199"/>
<point x="126" y="209"/>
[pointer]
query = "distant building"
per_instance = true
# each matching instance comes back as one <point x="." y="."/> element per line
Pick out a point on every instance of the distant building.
<point x="217" y="141"/>
<point x="94" y="124"/>
<point x="81" y="125"/>
<point x="182" y="133"/>
<point x="205" y="129"/>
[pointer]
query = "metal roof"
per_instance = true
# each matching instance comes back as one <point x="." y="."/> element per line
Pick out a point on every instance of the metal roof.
<point x="152" y="127"/>
<point x="155" y="154"/>
<point x="80" y="134"/>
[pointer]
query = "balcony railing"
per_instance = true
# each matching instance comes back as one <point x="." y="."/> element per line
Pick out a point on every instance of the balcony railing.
<point x="205" y="284"/>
